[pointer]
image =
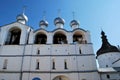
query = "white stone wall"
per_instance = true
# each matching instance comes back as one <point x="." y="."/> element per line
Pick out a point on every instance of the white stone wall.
<point x="68" y="76"/>
<point x="89" y="76"/>
<point x="12" y="50"/>
<point x="109" y="59"/>
<point x="13" y="63"/>
<point x="80" y="58"/>
<point x="10" y="76"/>
<point x="59" y="49"/>
<point x="86" y="63"/>
<point x="112" y="76"/>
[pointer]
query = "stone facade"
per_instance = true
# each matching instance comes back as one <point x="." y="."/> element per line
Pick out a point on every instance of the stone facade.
<point x="28" y="54"/>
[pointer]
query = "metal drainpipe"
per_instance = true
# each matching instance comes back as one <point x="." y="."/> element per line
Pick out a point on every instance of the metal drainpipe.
<point x="30" y="63"/>
<point x="23" y="58"/>
<point x="50" y="61"/>
<point x="100" y="77"/>
<point x="31" y="51"/>
<point x="77" y="61"/>
<point x="22" y="62"/>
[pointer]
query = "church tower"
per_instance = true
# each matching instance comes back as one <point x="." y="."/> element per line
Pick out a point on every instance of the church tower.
<point x="28" y="54"/>
<point x="108" y="57"/>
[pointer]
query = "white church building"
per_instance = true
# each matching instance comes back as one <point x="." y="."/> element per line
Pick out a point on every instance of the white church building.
<point x="27" y="54"/>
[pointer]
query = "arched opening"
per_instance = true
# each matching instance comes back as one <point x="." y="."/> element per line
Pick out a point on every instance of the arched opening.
<point x="61" y="78"/>
<point x="78" y="38"/>
<point x="13" y="37"/>
<point x="40" y="38"/>
<point x="59" y="38"/>
<point x="36" y="78"/>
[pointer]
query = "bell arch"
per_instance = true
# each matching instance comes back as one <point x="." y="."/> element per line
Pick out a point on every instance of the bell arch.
<point x="40" y="38"/>
<point x="13" y="36"/>
<point x="59" y="38"/>
<point x="61" y="77"/>
<point x="79" y="37"/>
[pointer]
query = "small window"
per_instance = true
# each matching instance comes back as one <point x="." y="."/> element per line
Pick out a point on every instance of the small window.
<point x="65" y="64"/>
<point x="53" y="64"/>
<point x="38" y="52"/>
<point x="108" y="76"/>
<point x="37" y="64"/>
<point x="5" y="64"/>
<point x="106" y="65"/>
<point x="80" y="51"/>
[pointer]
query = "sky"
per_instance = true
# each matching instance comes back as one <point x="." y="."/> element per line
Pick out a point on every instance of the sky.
<point x="93" y="15"/>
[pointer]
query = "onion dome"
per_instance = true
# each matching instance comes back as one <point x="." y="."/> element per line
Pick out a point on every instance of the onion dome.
<point x="74" y="22"/>
<point x="22" y="18"/>
<point x="59" y="20"/>
<point x="106" y="46"/>
<point x="43" y="23"/>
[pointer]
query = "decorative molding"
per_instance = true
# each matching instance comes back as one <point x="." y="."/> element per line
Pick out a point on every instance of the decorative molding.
<point x="46" y="55"/>
<point x="87" y="71"/>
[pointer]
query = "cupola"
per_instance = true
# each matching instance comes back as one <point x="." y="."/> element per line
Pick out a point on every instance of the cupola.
<point x="22" y="18"/>
<point x="74" y="23"/>
<point x="43" y="23"/>
<point x="59" y="22"/>
<point x="106" y="46"/>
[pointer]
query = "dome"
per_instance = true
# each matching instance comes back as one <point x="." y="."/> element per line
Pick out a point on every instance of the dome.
<point x="59" y="20"/>
<point x="43" y="22"/>
<point x="22" y="17"/>
<point x="106" y="46"/>
<point x="74" y="22"/>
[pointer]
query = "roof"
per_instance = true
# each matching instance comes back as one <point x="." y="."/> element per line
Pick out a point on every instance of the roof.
<point x="106" y="46"/>
<point x="111" y="69"/>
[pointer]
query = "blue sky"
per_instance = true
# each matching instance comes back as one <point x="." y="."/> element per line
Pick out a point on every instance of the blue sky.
<point x="92" y="14"/>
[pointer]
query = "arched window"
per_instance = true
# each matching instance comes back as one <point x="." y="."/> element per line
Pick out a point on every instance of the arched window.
<point x="40" y="39"/>
<point x="59" y="38"/>
<point x="13" y="36"/>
